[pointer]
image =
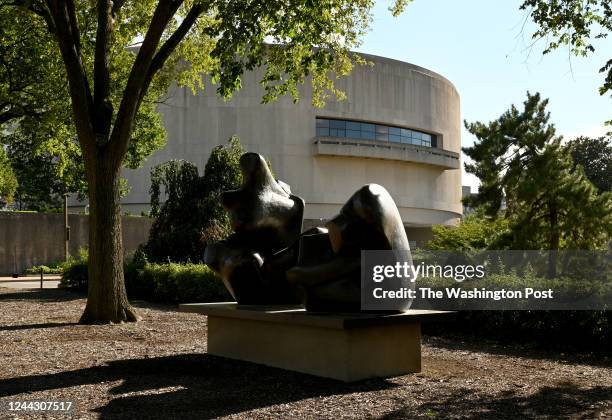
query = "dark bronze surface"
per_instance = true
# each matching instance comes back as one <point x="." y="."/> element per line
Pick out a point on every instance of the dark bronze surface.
<point x="329" y="278"/>
<point x="266" y="219"/>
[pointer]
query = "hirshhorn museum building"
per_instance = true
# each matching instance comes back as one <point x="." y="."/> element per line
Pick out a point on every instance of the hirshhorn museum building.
<point x="399" y="126"/>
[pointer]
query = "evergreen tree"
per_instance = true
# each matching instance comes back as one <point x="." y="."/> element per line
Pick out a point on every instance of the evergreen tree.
<point x="519" y="159"/>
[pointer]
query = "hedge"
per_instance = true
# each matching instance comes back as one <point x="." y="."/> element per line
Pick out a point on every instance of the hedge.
<point x="53" y="268"/>
<point x="576" y="329"/>
<point x="167" y="283"/>
<point x="177" y="283"/>
<point x="582" y="330"/>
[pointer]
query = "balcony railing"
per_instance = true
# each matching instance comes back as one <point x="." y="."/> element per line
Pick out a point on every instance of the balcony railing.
<point x="341" y="146"/>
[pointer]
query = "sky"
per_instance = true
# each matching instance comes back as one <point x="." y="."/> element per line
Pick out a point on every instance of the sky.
<point x="484" y="49"/>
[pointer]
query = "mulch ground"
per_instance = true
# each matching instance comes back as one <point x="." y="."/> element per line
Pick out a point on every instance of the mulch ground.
<point x="158" y="368"/>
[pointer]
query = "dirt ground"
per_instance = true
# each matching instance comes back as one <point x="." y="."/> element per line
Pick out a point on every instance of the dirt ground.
<point x="159" y="368"/>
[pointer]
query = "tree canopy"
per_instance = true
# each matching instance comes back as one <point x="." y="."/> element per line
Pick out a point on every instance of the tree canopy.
<point x="8" y="181"/>
<point x="594" y="155"/>
<point x="35" y="112"/>
<point x="32" y="78"/>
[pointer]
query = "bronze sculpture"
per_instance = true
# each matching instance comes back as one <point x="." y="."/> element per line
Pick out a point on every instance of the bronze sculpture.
<point x="331" y="280"/>
<point x="266" y="219"/>
<point x="268" y="261"/>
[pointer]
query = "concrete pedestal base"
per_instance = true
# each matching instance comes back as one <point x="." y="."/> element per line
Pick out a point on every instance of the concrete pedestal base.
<point x="347" y="347"/>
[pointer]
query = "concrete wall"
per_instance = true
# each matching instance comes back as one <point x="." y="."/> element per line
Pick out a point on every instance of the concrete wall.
<point x="28" y="239"/>
<point x="390" y="92"/>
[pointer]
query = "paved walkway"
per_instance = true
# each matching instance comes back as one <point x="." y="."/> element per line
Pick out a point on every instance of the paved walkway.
<point x="30" y="282"/>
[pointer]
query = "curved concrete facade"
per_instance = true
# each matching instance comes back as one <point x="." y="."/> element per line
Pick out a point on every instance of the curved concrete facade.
<point x="425" y="182"/>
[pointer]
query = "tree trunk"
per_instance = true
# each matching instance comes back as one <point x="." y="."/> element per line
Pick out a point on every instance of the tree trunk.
<point x="106" y="298"/>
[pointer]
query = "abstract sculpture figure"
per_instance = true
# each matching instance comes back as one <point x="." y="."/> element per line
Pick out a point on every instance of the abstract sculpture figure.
<point x="328" y="271"/>
<point x="266" y="219"/>
<point x="267" y="261"/>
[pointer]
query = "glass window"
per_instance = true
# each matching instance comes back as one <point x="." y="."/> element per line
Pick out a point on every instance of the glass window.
<point x="352" y="125"/>
<point x="382" y="129"/>
<point x="382" y="136"/>
<point x="416" y="135"/>
<point x="337" y="124"/>
<point x="395" y="138"/>
<point x="368" y="135"/>
<point x="353" y="134"/>
<point x="334" y="132"/>
<point x="395" y="131"/>
<point x="406" y="133"/>
<point x="322" y="122"/>
<point x="368" y="127"/>
<point x="322" y="132"/>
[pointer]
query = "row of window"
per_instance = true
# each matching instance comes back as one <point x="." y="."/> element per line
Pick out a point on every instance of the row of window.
<point x="367" y="131"/>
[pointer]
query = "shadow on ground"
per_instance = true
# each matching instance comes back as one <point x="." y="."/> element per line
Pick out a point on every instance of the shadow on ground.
<point x="513" y="349"/>
<point x="563" y="401"/>
<point x="36" y="326"/>
<point x="189" y="386"/>
<point x="204" y="386"/>
<point x="44" y="295"/>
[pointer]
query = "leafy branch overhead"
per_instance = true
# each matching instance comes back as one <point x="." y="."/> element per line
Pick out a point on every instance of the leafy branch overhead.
<point x="38" y="129"/>
<point x="575" y="24"/>
<point x="222" y="39"/>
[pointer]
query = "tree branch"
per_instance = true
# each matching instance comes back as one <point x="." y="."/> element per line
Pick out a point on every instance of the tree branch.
<point x="102" y="102"/>
<point x="133" y="91"/>
<point x="74" y="25"/>
<point x="80" y="92"/>
<point x="6" y="116"/>
<point x="171" y="43"/>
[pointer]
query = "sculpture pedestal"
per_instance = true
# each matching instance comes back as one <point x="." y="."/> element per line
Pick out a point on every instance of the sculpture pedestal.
<point x="347" y="347"/>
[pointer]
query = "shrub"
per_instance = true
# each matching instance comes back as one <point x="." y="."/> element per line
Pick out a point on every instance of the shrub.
<point x="174" y="283"/>
<point x="53" y="268"/>
<point x="474" y="232"/>
<point x="587" y="329"/>
<point x="74" y="271"/>
<point x="135" y="286"/>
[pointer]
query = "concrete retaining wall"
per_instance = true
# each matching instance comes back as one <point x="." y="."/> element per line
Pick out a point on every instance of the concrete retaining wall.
<point x="28" y="239"/>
